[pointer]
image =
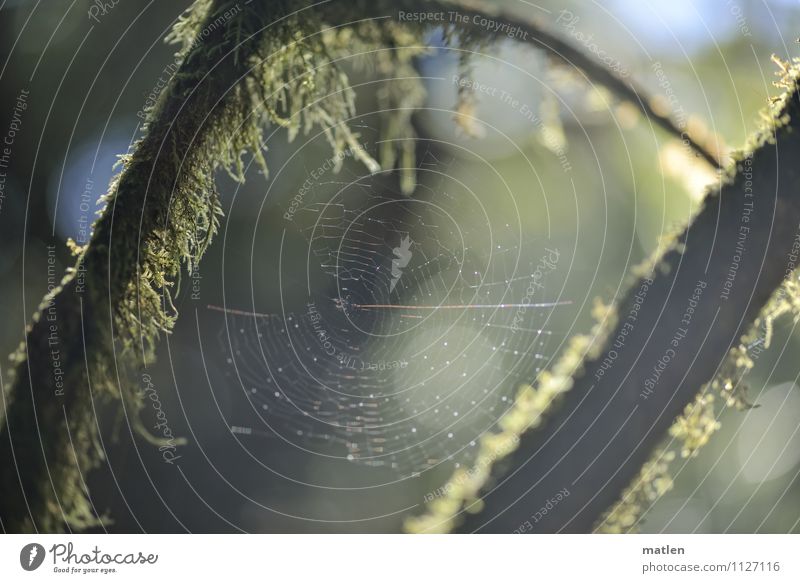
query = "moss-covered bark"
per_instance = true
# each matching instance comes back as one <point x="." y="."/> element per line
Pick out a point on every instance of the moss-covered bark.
<point x="243" y="65"/>
<point x="681" y="322"/>
<point x="146" y="231"/>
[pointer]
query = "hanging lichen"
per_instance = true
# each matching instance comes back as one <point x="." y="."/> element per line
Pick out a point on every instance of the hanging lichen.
<point x="387" y="51"/>
<point x="243" y="67"/>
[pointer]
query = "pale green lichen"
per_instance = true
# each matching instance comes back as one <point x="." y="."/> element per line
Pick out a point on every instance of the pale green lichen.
<point x="694" y="428"/>
<point x="387" y="51"/>
<point x="698" y="423"/>
<point x="528" y="412"/>
<point x="276" y="66"/>
<point x="243" y="67"/>
<point x="691" y="431"/>
<point x="652" y="482"/>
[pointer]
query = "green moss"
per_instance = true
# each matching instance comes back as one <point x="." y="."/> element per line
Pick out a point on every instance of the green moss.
<point x="690" y="431"/>
<point x="652" y="482"/>
<point x="387" y="50"/>
<point x="529" y="411"/>
<point x="243" y="67"/>
<point x="693" y="429"/>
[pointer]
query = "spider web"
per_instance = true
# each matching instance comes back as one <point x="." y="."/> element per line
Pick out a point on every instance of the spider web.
<point x="419" y="322"/>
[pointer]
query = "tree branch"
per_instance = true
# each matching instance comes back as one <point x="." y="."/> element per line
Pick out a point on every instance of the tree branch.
<point x="474" y="12"/>
<point x="243" y="66"/>
<point x="668" y="336"/>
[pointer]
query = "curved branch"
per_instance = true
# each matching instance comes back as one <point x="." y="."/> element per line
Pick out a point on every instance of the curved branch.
<point x="472" y="13"/>
<point x="161" y="212"/>
<point x="668" y="336"/>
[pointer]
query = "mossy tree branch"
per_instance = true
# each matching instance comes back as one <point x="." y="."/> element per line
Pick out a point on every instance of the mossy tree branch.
<point x="669" y="335"/>
<point x="159" y="213"/>
<point x="243" y="65"/>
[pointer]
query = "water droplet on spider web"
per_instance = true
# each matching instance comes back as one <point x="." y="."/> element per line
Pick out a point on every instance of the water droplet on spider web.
<point x="420" y="318"/>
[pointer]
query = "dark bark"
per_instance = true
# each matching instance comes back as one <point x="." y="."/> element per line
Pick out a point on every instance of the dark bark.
<point x="99" y="321"/>
<point x="604" y="428"/>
